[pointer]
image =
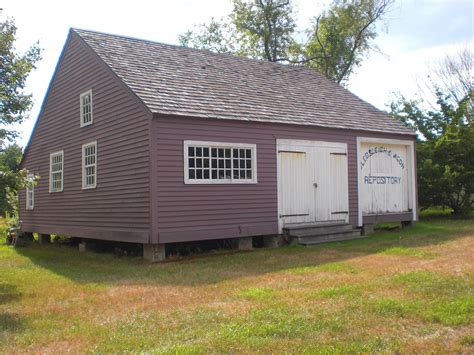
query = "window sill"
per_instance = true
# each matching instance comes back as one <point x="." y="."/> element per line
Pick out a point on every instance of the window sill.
<point x="89" y="187"/>
<point x="191" y="182"/>
<point x="86" y="124"/>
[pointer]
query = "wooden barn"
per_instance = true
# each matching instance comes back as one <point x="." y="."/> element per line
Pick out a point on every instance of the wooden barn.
<point x="150" y="143"/>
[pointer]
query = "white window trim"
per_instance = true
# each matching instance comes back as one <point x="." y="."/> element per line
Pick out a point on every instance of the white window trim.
<point x="60" y="152"/>
<point x="205" y="144"/>
<point x="30" y="203"/>
<point x="84" y="187"/>
<point x="89" y="92"/>
<point x="410" y="162"/>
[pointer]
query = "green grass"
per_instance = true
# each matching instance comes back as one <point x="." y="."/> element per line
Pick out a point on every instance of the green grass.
<point x="436" y="211"/>
<point x="399" y="250"/>
<point x="257" y="293"/>
<point x="408" y="290"/>
<point x="448" y="299"/>
<point x="350" y="290"/>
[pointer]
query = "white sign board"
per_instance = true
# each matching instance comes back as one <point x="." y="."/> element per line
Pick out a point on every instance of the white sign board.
<point x="384" y="174"/>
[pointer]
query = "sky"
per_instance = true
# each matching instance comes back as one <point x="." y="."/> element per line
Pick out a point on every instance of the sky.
<point x="414" y="35"/>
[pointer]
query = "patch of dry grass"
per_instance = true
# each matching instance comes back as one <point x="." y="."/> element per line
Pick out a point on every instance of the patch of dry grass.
<point x="400" y="291"/>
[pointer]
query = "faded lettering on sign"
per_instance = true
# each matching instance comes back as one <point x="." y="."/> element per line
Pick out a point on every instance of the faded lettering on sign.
<point x="382" y="180"/>
<point x="380" y="150"/>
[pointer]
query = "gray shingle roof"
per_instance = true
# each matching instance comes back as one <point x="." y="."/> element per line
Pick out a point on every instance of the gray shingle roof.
<point x="188" y="82"/>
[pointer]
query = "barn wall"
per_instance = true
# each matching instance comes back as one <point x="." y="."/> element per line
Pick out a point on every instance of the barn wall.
<point x="119" y="208"/>
<point x="192" y="212"/>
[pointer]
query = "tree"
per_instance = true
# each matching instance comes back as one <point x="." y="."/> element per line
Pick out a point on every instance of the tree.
<point x="445" y="149"/>
<point x="341" y="36"/>
<point x="336" y="42"/>
<point x="453" y="75"/>
<point x="215" y="36"/>
<point x="264" y="28"/>
<point x="9" y="169"/>
<point x="259" y="29"/>
<point x="14" y="70"/>
<point x="14" y="107"/>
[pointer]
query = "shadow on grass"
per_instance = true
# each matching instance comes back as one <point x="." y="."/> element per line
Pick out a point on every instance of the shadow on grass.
<point x="9" y="322"/>
<point x="106" y="269"/>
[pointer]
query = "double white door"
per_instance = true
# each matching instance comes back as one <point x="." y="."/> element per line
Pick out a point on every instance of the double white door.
<point x="313" y="182"/>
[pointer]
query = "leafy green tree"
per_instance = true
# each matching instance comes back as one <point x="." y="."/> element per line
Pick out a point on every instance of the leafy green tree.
<point x="14" y="70"/>
<point x="216" y="36"/>
<point x="9" y="181"/>
<point x="336" y="43"/>
<point x="260" y="29"/>
<point x="14" y="107"/>
<point x="341" y="36"/>
<point x="445" y="150"/>
<point x="264" y="28"/>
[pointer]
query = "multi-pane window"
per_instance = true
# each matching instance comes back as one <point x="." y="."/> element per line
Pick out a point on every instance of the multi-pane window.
<point x="56" y="171"/>
<point x="86" y="108"/>
<point x="30" y="192"/>
<point x="89" y="165"/>
<point x="208" y="162"/>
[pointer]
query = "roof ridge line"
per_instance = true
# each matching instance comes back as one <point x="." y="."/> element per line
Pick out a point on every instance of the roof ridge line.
<point x="206" y="51"/>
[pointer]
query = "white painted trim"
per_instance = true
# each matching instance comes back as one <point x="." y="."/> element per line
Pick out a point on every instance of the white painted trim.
<point x="88" y="92"/>
<point x="84" y="187"/>
<point x="410" y="156"/>
<point x="206" y="144"/>
<point x="306" y="143"/>
<point x="279" y="198"/>
<point x="30" y="203"/>
<point x="302" y="143"/>
<point x="59" y="152"/>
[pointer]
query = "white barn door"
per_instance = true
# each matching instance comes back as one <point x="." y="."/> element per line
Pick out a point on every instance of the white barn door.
<point x="332" y="195"/>
<point x="296" y="181"/>
<point x="312" y="181"/>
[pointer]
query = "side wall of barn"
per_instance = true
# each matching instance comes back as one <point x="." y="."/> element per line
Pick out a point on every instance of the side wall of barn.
<point x="187" y="212"/>
<point x="119" y="207"/>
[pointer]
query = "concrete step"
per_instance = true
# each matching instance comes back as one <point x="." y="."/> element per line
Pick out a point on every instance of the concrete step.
<point x="302" y="226"/>
<point x="320" y="230"/>
<point x="333" y="237"/>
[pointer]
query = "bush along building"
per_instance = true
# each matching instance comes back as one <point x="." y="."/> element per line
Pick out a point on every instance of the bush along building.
<point x="149" y="143"/>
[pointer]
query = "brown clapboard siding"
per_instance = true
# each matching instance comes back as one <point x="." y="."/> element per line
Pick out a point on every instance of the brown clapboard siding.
<point x="119" y="208"/>
<point x="192" y="212"/>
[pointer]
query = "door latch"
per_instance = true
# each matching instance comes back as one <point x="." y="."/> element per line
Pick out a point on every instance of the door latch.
<point x="315" y="184"/>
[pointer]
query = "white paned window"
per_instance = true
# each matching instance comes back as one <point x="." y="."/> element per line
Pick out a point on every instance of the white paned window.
<point x="86" y="108"/>
<point x="89" y="165"/>
<point x="56" y="171"/>
<point x="219" y="163"/>
<point x="30" y="192"/>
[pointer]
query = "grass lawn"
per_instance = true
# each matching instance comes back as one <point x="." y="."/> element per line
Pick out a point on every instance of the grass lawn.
<point x="397" y="291"/>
